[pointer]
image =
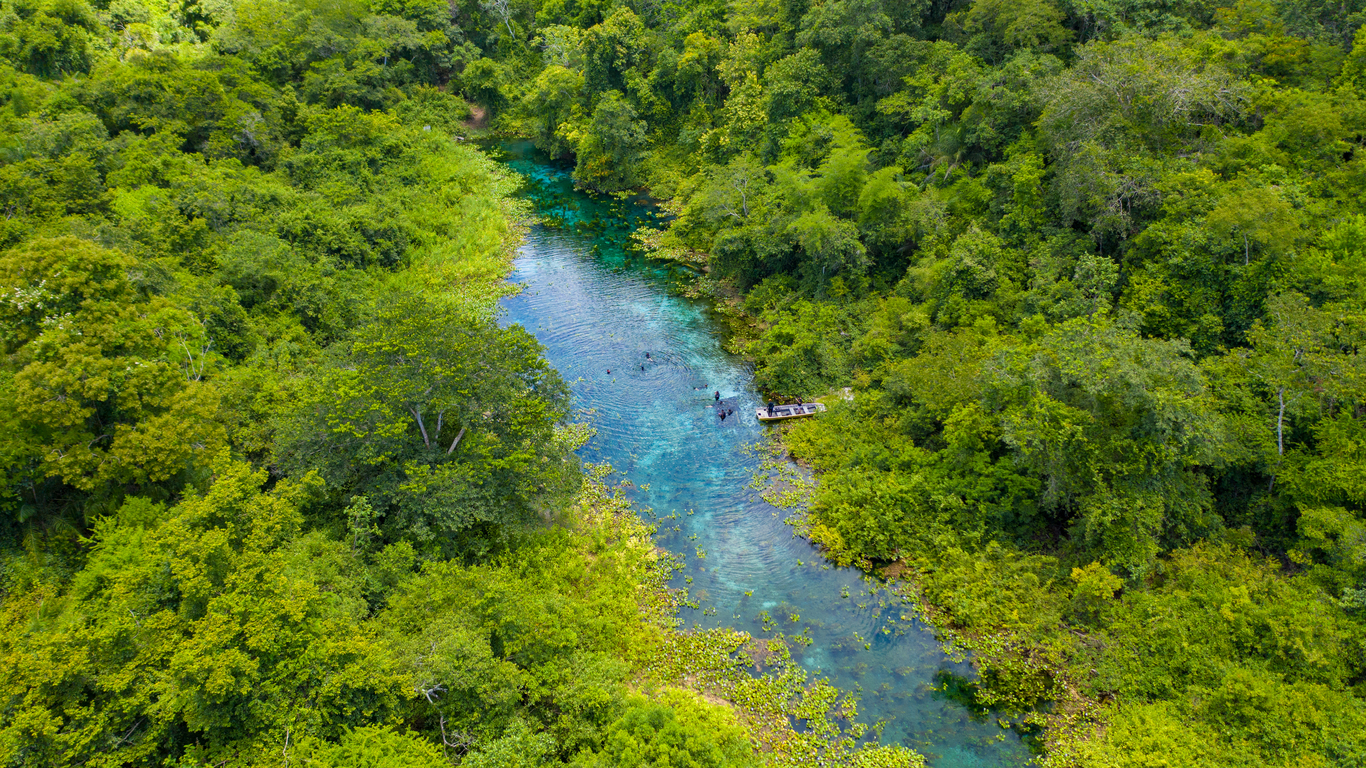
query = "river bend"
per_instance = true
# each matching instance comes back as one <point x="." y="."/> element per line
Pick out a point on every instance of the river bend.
<point x="599" y="307"/>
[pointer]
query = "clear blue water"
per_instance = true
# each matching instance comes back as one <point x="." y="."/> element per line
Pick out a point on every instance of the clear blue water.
<point x="599" y="306"/>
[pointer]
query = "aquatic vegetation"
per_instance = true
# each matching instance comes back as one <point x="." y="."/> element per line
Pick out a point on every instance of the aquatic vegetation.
<point x="720" y="661"/>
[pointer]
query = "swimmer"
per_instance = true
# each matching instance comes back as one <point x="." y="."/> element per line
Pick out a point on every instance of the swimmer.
<point x="718" y="394"/>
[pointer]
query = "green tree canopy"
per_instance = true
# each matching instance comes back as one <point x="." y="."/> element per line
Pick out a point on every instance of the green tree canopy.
<point x="107" y="389"/>
<point x="445" y="423"/>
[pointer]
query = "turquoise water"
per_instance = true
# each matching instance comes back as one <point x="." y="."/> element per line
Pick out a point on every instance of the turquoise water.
<point x="598" y="306"/>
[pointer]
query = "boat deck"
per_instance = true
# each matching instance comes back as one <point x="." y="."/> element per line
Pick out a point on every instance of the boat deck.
<point x="783" y="412"/>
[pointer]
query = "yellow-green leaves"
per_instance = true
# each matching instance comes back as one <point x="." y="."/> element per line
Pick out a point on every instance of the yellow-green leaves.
<point x="111" y="384"/>
<point x="189" y="622"/>
<point x="1095" y="581"/>
<point x="1260" y="217"/>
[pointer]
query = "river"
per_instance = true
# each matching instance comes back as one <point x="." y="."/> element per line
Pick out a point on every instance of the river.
<point x="599" y="307"/>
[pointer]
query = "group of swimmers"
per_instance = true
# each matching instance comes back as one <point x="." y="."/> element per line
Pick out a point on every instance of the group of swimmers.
<point x="721" y="413"/>
<point x="648" y="359"/>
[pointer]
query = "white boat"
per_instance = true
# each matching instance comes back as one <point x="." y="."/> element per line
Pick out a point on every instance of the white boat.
<point x="782" y="412"/>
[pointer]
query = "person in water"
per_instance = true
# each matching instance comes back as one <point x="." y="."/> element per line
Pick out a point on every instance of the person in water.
<point x="718" y="395"/>
<point x="722" y="414"/>
<point x="647" y="355"/>
<point x="642" y="368"/>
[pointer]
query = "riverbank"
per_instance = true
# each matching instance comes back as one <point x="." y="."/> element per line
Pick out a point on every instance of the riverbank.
<point x="755" y="679"/>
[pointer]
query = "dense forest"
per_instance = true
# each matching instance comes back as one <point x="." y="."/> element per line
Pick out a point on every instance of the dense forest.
<point x="279" y="489"/>
<point x="1096" y="275"/>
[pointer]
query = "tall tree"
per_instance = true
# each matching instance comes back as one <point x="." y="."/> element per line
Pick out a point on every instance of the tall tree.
<point x="106" y="388"/>
<point x="445" y="423"/>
